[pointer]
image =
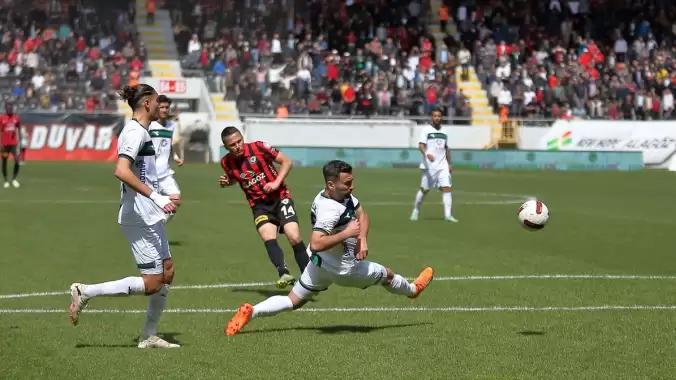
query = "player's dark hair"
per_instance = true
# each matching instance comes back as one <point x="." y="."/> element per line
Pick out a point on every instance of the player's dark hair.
<point x="437" y="109"/>
<point x="227" y="131"/>
<point x="163" y="99"/>
<point x="134" y="94"/>
<point x="332" y="169"/>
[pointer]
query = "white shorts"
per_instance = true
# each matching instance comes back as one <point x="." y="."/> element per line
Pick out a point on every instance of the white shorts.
<point x="149" y="245"/>
<point x="435" y="179"/>
<point x="316" y="279"/>
<point x="168" y="186"/>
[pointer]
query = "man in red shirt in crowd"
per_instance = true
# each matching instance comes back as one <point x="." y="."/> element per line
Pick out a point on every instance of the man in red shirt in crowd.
<point x="10" y="131"/>
<point x="252" y="165"/>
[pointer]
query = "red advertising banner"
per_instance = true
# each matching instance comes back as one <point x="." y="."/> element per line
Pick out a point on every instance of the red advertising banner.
<point x="71" y="136"/>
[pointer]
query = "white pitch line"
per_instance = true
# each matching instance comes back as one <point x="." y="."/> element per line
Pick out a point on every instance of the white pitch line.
<point x="372" y="203"/>
<point x="449" y="309"/>
<point x="446" y="278"/>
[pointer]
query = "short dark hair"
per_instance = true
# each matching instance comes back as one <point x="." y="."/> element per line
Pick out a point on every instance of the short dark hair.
<point x="332" y="169"/>
<point x="163" y="99"/>
<point x="227" y="131"/>
<point x="437" y="109"/>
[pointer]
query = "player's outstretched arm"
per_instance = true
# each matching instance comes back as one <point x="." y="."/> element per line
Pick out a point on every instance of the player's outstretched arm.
<point x="285" y="167"/>
<point x="363" y="219"/>
<point x="124" y="173"/>
<point x="321" y="241"/>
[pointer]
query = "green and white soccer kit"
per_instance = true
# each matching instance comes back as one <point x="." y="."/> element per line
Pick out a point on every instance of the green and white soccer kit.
<point x="163" y="137"/>
<point x="338" y="264"/>
<point x="141" y="220"/>
<point x="435" y="174"/>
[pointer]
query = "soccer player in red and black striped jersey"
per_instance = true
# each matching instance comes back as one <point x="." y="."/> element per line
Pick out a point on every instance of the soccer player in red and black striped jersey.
<point x="10" y="132"/>
<point x="252" y="165"/>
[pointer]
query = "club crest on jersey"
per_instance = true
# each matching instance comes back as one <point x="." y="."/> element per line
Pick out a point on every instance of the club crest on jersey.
<point x="252" y="159"/>
<point x="247" y="174"/>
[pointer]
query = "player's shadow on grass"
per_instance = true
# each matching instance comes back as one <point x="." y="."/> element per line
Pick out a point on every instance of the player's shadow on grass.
<point x="175" y="243"/>
<point x="265" y="293"/>
<point x="338" y="329"/>
<point x="531" y="333"/>
<point x="168" y="336"/>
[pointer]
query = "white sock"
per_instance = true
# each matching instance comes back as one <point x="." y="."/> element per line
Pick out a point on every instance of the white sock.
<point x="399" y="285"/>
<point x="271" y="306"/>
<point x="156" y="303"/>
<point x="124" y="287"/>
<point x="419" y="197"/>
<point x="448" y="201"/>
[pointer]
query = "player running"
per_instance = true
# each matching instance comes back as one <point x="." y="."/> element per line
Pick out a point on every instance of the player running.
<point x="339" y="249"/>
<point x="436" y="166"/>
<point x="10" y="132"/>
<point x="164" y="133"/>
<point x="253" y="166"/>
<point x="141" y="217"/>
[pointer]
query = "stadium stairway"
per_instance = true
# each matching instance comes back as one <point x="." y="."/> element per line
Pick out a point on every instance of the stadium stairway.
<point x="158" y="37"/>
<point x="482" y="112"/>
<point x="224" y="111"/>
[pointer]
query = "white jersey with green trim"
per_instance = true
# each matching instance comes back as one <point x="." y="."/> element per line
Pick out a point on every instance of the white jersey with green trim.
<point x="134" y="144"/>
<point x="436" y="141"/>
<point x="162" y="136"/>
<point x="331" y="216"/>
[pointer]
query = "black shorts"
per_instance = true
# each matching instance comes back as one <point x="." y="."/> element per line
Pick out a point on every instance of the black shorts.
<point x="278" y="212"/>
<point x="6" y="149"/>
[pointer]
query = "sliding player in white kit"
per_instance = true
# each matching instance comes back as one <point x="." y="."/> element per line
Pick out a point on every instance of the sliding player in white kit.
<point x="141" y="217"/>
<point x="165" y="135"/>
<point x="338" y="248"/>
<point x="436" y="166"/>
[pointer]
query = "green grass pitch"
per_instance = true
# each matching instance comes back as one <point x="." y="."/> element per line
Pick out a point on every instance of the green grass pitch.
<point x="60" y="227"/>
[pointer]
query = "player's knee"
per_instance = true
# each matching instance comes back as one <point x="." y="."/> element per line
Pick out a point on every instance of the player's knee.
<point x="424" y="191"/>
<point x="153" y="284"/>
<point x="296" y="301"/>
<point x="294" y="239"/>
<point x="388" y="276"/>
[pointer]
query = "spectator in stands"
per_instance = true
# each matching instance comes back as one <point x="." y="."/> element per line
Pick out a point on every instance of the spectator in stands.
<point x="151" y="7"/>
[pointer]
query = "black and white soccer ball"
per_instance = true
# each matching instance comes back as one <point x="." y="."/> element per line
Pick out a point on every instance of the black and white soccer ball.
<point x="533" y="215"/>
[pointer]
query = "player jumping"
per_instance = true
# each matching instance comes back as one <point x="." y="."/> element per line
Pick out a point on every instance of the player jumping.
<point x="339" y="247"/>
<point x="436" y="166"/>
<point x="10" y="132"/>
<point x="252" y="165"/>
<point x="141" y="217"/>
<point x="164" y="133"/>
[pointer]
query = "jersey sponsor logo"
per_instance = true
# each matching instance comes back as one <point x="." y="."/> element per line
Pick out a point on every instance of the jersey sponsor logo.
<point x="261" y="219"/>
<point x="254" y="180"/>
<point x="142" y="170"/>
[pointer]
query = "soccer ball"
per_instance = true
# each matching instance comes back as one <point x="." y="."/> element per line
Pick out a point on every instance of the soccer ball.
<point x="533" y="215"/>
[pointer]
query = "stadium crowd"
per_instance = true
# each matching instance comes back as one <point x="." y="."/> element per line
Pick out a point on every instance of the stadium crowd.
<point x="543" y="59"/>
<point x="59" y="57"/>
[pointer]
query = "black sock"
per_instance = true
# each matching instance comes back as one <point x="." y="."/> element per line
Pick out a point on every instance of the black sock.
<point x="300" y="253"/>
<point x="4" y="168"/>
<point x="16" y="168"/>
<point x="276" y="256"/>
